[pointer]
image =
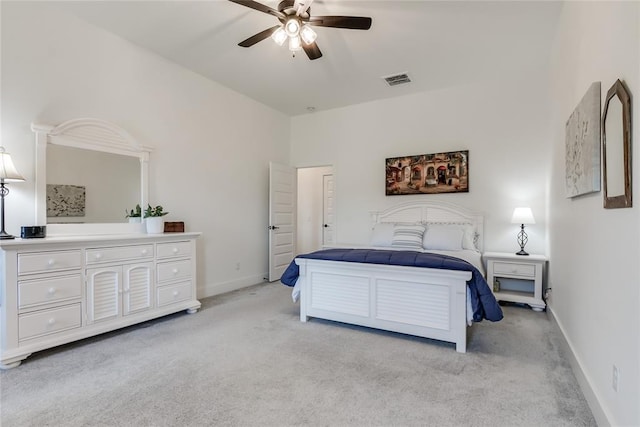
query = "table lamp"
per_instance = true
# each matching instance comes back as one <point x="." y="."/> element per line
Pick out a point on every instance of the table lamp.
<point x="522" y="216"/>
<point x="8" y="173"/>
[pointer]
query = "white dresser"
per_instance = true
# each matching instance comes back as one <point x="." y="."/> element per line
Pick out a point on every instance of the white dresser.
<point x="61" y="289"/>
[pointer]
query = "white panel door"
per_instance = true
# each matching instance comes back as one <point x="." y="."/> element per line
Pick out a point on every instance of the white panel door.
<point x="282" y="204"/>
<point x="328" y="233"/>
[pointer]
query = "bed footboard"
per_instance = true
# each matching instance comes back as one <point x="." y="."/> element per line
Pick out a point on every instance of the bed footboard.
<point x="425" y="302"/>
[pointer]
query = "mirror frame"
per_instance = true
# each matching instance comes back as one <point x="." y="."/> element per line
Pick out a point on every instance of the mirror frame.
<point x="88" y="134"/>
<point x="624" y="200"/>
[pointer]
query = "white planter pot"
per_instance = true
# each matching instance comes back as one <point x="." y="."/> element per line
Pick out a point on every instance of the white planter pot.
<point x="155" y="225"/>
<point x="135" y="220"/>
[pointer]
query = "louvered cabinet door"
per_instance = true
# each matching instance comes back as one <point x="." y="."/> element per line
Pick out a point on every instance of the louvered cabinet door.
<point x="136" y="292"/>
<point x="103" y="293"/>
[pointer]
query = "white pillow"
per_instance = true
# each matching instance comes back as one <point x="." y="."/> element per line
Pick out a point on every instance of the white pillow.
<point x="408" y="236"/>
<point x="443" y="238"/>
<point x="382" y="234"/>
<point x="468" y="237"/>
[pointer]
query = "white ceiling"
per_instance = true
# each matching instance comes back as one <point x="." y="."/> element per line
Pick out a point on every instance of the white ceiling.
<point x="438" y="43"/>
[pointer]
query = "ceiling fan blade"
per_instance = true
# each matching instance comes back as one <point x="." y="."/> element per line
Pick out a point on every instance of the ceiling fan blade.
<point x="350" y="22"/>
<point x="258" y="37"/>
<point x="259" y="6"/>
<point x="312" y="50"/>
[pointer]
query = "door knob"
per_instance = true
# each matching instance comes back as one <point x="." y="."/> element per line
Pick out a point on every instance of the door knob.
<point x="326" y="226"/>
<point x="273" y="227"/>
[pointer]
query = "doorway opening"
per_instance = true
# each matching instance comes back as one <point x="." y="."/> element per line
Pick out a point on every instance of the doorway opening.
<point x="315" y="226"/>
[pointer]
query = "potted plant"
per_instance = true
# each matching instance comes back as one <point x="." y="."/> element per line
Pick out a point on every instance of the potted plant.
<point x="153" y="219"/>
<point x="135" y="215"/>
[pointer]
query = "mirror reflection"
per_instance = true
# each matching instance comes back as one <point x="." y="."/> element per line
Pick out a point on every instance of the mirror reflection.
<point x="614" y="148"/>
<point x="86" y="186"/>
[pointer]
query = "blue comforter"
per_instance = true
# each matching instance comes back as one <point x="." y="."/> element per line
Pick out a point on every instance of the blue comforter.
<point x="483" y="302"/>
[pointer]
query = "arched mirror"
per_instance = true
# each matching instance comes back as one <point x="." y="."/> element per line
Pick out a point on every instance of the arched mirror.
<point x="89" y="174"/>
<point x="616" y="147"/>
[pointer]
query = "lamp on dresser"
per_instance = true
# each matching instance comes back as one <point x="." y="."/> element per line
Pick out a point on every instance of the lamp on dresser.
<point x="522" y="216"/>
<point x="8" y="173"/>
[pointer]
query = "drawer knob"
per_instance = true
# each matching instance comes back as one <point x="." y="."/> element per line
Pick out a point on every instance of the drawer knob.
<point x="176" y="293"/>
<point x="52" y="291"/>
<point x="51" y="261"/>
<point x="175" y="271"/>
<point x="144" y="252"/>
<point x="514" y="270"/>
<point x="51" y="321"/>
<point x="176" y="250"/>
<point x="98" y="256"/>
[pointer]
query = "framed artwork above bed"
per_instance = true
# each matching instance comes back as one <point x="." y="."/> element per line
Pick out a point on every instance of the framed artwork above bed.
<point x="428" y="173"/>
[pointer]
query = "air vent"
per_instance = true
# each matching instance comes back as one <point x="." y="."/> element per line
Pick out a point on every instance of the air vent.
<point x="397" y="79"/>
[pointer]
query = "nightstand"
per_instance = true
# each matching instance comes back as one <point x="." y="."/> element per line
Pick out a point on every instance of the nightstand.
<point x="516" y="278"/>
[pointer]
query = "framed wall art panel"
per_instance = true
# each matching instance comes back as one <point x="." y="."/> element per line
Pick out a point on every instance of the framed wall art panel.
<point x="428" y="174"/>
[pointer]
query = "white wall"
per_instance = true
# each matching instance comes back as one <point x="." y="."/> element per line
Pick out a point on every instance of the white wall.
<point x="503" y="124"/>
<point x="56" y="68"/>
<point x="595" y="253"/>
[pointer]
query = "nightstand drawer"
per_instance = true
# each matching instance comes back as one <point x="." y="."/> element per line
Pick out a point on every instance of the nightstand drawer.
<point x="525" y="270"/>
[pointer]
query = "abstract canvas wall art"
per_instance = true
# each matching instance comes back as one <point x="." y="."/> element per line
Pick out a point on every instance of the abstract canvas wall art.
<point x="582" y="145"/>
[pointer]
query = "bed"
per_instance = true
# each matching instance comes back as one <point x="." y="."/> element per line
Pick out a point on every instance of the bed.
<point x="437" y="294"/>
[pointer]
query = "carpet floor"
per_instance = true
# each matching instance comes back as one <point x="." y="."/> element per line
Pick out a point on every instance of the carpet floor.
<point x="245" y="359"/>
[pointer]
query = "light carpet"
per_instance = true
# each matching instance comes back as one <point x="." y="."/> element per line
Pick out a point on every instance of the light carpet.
<point x="245" y="359"/>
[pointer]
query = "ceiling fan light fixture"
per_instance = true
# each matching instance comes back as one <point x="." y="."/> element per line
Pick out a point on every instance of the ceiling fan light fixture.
<point x="279" y="36"/>
<point x="292" y="27"/>
<point x="307" y="34"/>
<point x="295" y="44"/>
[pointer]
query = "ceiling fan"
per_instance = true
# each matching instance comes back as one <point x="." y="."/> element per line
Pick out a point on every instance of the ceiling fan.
<point x="295" y="25"/>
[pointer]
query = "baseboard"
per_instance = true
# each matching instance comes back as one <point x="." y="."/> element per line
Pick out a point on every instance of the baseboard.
<point x="211" y="289"/>
<point x="603" y="419"/>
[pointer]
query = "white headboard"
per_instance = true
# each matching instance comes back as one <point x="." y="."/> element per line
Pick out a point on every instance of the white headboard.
<point x="433" y="212"/>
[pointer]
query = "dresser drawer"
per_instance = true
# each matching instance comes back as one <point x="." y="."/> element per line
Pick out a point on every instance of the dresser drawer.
<point x="173" y="270"/>
<point x="173" y="249"/>
<point x="525" y="270"/>
<point x="46" y="322"/>
<point x="119" y="253"/>
<point x="41" y="262"/>
<point x="54" y="289"/>
<point x="174" y="293"/>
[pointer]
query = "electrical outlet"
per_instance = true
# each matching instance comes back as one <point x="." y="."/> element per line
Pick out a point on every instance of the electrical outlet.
<point x="616" y="377"/>
<point x="238" y="266"/>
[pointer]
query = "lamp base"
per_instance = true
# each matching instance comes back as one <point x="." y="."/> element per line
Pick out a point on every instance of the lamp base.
<point x="521" y="252"/>
<point x="6" y="236"/>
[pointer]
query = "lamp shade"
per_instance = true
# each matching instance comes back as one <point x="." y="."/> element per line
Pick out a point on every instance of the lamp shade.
<point x="8" y="171"/>
<point x="522" y="216"/>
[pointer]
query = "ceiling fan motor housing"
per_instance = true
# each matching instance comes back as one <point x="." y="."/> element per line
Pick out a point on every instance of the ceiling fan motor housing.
<point x="287" y="8"/>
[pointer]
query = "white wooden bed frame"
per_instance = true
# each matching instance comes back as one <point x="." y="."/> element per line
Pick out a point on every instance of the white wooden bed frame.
<point x="425" y="302"/>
